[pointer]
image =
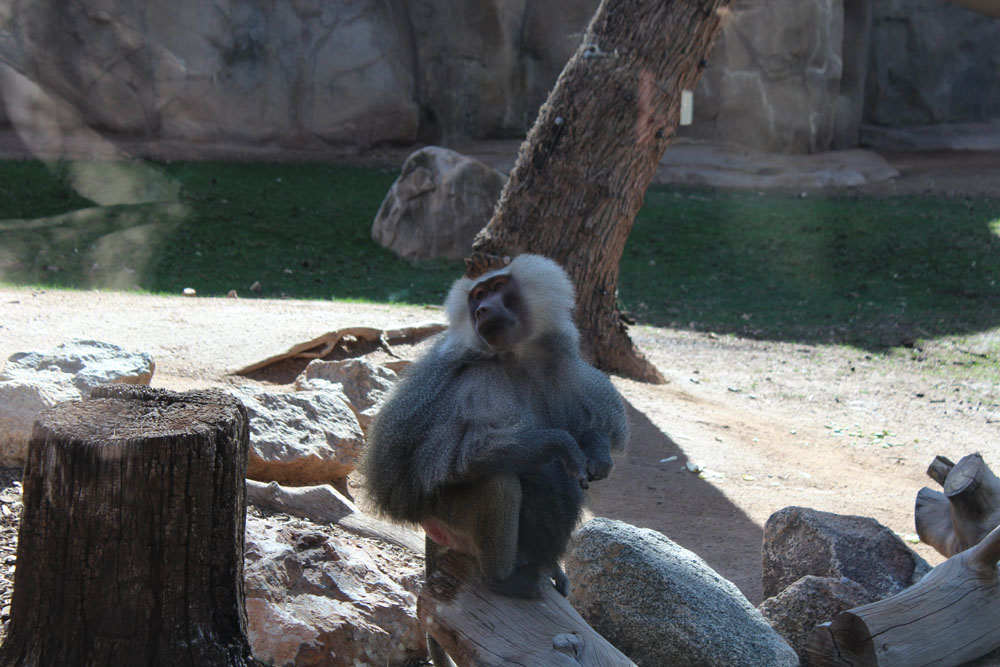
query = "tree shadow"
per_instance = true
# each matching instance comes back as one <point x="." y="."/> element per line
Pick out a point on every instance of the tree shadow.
<point x="872" y="271"/>
<point x="667" y="498"/>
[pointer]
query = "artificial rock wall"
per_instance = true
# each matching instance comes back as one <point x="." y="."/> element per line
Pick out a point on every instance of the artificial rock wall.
<point x="787" y="76"/>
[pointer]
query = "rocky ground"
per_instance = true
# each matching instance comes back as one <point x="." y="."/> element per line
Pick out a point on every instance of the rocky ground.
<point x="769" y="423"/>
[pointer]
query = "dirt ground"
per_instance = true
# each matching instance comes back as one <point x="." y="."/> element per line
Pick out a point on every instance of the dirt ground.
<point x="770" y="423"/>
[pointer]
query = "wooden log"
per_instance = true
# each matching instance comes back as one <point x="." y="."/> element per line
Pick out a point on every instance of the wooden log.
<point x="948" y="618"/>
<point x="130" y="549"/>
<point x="968" y="509"/>
<point x="324" y="504"/>
<point x="478" y="627"/>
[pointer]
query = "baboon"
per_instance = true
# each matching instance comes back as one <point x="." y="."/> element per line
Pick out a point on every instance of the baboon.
<point x="489" y="440"/>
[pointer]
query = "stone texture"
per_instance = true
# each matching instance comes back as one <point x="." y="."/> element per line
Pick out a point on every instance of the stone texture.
<point x="437" y="205"/>
<point x="661" y="604"/>
<point x="288" y="72"/>
<point x="935" y="62"/>
<point x="773" y="80"/>
<point x="33" y="381"/>
<point x="808" y="602"/>
<point x="20" y="403"/>
<point x="83" y="363"/>
<point x="800" y="541"/>
<point x="302" y="437"/>
<point x="364" y="384"/>
<point x="317" y="596"/>
<point x="691" y="162"/>
<point x="295" y="74"/>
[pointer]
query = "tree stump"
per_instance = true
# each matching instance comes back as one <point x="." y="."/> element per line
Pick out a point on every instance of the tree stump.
<point x="478" y="627"/>
<point x="968" y="509"/>
<point x="948" y="618"/>
<point x="130" y="549"/>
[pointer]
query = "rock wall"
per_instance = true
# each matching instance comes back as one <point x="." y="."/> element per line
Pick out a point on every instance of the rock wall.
<point x="297" y="73"/>
<point x="788" y="76"/>
<point x="773" y="80"/>
<point x="932" y="62"/>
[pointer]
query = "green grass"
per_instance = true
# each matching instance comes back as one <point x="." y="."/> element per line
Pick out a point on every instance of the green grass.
<point x="872" y="271"/>
<point x="867" y="270"/>
<point x="300" y="230"/>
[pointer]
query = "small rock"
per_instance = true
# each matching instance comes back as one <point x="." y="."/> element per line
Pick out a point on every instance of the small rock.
<point x="810" y="601"/>
<point x="190" y="291"/>
<point x="301" y="437"/>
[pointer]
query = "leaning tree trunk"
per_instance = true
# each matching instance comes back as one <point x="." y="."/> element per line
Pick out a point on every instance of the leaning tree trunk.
<point x="582" y="173"/>
<point x="130" y="550"/>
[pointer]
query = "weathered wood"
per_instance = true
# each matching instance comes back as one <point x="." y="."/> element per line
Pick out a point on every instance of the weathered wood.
<point x="939" y="468"/>
<point x="325" y="345"/>
<point x="582" y="173"/>
<point x="324" y="504"/>
<point x="478" y="627"/>
<point x="130" y="549"/>
<point x="948" y="618"/>
<point x="968" y="509"/>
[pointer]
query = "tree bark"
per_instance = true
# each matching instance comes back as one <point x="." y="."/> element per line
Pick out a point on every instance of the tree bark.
<point x="582" y="172"/>
<point x="478" y="627"/>
<point x="950" y="617"/>
<point x="968" y="509"/>
<point x="130" y="549"/>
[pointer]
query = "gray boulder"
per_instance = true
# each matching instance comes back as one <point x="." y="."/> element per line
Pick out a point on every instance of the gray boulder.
<point x="319" y="596"/>
<point x="661" y="604"/>
<point x="437" y="205"/>
<point x="302" y="437"/>
<point x="33" y="381"/>
<point x="808" y="602"/>
<point x="82" y="363"/>
<point x="799" y="541"/>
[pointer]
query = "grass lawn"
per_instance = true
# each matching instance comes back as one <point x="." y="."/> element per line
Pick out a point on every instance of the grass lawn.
<point x="866" y="270"/>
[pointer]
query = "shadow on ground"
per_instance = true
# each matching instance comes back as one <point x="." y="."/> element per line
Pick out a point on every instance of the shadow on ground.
<point x="665" y="497"/>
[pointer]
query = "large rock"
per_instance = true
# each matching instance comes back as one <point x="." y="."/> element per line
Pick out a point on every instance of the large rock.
<point x="799" y="541"/>
<point x="808" y="602"/>
<point x="33" y="381"/>
<point x="773" y="80"/>
<point x="661" y="604"/>
<point x="935" y="62"/>
<point x="364" y="384"/>
<point x="437" y="205"/>
<point x="302" y="437"/>
<point x="318" y="596"/>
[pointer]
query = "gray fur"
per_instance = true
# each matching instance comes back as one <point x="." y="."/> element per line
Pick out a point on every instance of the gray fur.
<point x="475" y="437"/>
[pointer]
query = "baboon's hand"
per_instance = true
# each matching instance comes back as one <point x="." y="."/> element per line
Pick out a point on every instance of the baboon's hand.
<point x="598" y="469"/>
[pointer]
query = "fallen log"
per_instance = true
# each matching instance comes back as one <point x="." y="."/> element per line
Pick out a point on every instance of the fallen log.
<point x="948" y="618"/>
<point x="324" y="504"/>
<point x="968" y="509"/>
<point x="478" y="627"/>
